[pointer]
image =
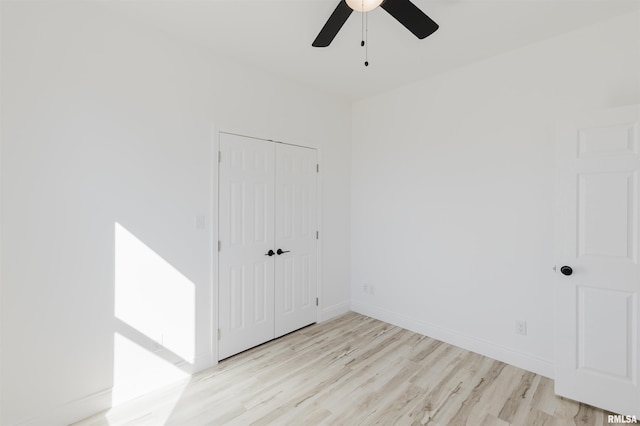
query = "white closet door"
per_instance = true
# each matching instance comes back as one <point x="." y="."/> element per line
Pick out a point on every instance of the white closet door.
<point x="246" y="232"/>
<point x="597" y="328"/>
<point x="296" y="226"/>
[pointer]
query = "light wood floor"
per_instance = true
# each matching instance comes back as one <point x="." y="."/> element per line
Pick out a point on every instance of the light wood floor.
<point x="356" y="370"/>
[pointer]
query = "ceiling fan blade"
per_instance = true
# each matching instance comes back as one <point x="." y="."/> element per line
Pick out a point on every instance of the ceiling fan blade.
<point x="411" y="17"/>
<point x="333" y="25"/>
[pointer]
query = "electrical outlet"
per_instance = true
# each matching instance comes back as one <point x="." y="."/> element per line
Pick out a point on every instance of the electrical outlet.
<point x="365" y="288"/>
<point x="521" y="327"/>
<point x="199" y="222"/>
<point x="372" y="290"/>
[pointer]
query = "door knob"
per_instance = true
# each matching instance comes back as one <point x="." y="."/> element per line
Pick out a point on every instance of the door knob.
<point x="280" y="251"/>
<point x="566" y="270"/>
<point x="270" y="253"/>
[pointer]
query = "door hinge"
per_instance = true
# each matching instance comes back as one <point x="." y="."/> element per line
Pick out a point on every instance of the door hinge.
<point x="317" y="235"/>
<point x="317" y="301"/>
<point x="317" y="168"/>
<point x="219" y="334"/>
<point x="219" y="245"/>
<point x="219" y="156"/>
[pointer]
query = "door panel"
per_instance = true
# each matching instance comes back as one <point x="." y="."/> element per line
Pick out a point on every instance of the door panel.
<point x="596" y="309"/>
<point x="296" y="226"/>
<point x="597" y="330"/>
<point x="607" y="214"/>
<point x="609" y="140"/>
<point x="246" y="232"/>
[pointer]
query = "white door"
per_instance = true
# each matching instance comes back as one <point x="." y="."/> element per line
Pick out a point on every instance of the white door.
<point x="597" y="329"/>
<point x="267" y="231"/>
<point x="246" y="233"/>
<point x="296" y="238"/>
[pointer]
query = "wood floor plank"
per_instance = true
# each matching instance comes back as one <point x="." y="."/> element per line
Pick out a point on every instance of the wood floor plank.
<point x="518" y="400"/>
<point x="473" y="409"/>
<point x="355" y="370"/>
<point x="491" y="420"/>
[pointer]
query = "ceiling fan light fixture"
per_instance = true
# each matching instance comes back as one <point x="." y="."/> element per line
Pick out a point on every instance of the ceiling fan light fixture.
<point x="363" y="5"/>
<point x="404" y="11"/>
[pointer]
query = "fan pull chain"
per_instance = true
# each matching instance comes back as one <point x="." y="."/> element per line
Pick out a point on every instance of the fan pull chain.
<point x="366" y="37"/>
<point x="362" y="42"/>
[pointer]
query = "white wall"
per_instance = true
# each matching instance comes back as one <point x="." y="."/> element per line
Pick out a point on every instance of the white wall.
<point x="104" y="122"/>
<point x="453" y="190"/>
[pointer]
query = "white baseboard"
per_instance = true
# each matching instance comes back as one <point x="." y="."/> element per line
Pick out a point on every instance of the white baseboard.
<point x="335" y="310"/>
<point x="203" y="361"/>
<point x="90" y="405"/>
<point x="525" y="361"/>
<point x="73" y="411"/>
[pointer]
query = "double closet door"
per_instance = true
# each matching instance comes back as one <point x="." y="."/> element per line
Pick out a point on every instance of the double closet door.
<point x="268" y="241"/>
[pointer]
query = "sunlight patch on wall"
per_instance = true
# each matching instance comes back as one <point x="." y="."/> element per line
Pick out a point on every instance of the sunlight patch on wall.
<point x="153" y="297"/>
<point x="137" y="371"/>
<point x="154" y="325"/>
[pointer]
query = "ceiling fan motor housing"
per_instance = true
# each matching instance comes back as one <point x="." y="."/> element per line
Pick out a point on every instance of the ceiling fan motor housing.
<point x="364" y="5"/>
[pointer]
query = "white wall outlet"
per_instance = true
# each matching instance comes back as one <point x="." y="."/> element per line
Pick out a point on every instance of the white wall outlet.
<point x="521" y="327"/>
<point x="365" y="288"/>
<point x="199" y="222"/>
<point x="372" y="290"/>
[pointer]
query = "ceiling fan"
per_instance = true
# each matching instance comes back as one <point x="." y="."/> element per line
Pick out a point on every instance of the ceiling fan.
<point x="404" y="11"/>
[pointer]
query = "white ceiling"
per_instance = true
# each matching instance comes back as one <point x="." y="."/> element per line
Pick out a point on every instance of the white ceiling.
<point x="276" y="36"/>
